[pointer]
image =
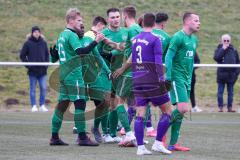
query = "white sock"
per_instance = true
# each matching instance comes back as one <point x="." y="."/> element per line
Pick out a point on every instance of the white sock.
<point x="158" y="142"/>
<point x="141" y="147"/>
<point x="150" y="129"/>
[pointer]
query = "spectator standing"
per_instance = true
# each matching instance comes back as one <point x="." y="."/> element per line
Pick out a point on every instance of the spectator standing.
<point x="35" y="49"/>
<point x="226" y="54"/>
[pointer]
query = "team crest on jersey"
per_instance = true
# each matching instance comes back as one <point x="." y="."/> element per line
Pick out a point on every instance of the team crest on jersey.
<point x="124" y="37"/>
<point x="86" y="44"/>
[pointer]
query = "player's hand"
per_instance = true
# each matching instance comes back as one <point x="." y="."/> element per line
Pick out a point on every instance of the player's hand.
<point x="225" y="46"/>
<point x="117" y="73"/>
<point x="168" y="85"/>
<point x="54" y="52"/>
<point x="121" y="46"/>
<point x="99" y="37"/>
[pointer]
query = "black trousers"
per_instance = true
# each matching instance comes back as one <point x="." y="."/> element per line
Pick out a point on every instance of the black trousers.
<point x="192" y="94"/>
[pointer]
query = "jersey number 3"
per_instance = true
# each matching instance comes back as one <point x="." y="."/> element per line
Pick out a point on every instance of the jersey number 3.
<point x="139" y="54"/>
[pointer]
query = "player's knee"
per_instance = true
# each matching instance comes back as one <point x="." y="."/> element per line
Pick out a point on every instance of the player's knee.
<point x="80" y="104"/>
<point x="98" y="103"/>
<point x="141" y="112"/>
<point x="183" y="107"/>
<point x="62" y="106"/>
<point x="166" y="108"/>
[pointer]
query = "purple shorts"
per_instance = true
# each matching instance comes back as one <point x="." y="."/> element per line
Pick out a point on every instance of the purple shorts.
<point x="156" y="101"/>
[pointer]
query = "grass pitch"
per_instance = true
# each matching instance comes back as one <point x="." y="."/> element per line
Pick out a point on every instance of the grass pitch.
<point x="25" y="136"/>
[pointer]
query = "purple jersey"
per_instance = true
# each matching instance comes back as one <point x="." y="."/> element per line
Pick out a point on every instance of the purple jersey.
<point x="147" y="60"/>
<point x="148" y="70"/>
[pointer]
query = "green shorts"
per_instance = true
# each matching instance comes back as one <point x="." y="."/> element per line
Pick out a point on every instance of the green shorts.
<point x="72" y="90"/>
<point x="98" y="89"/>
<point x="123" y="86"/>
<point x="180" y="92"/>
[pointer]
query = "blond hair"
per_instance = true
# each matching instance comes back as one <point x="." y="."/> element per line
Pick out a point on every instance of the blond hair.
<point x="72" y="13"/>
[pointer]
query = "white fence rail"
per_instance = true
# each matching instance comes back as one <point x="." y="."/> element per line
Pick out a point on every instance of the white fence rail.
<point x="56" y="64"/>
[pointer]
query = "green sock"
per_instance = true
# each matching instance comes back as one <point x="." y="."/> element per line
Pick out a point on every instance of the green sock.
<point x="104" y="120"/>
<point x="79" y="119"/>
<point x="177" y="118"/>
<point x="57" y="121"/>
<point x="98" y="117"/>
<point x="113" y="122"/>
<point x="123" y="117"/>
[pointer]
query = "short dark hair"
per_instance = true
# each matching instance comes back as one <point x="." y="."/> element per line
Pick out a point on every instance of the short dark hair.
<point x="130" y="11"/>
<point x="112" y="10"/>
<point x="148" y="20"/>
<point x="140" y="21"/>
<point x="188" y="14"/>
<point x="98" y="19"/>
<point x="161" y="17"/>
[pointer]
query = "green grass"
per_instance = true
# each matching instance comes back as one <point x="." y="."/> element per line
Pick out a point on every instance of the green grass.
<point x="18" y="16"/>
<point x="25" y="136"/>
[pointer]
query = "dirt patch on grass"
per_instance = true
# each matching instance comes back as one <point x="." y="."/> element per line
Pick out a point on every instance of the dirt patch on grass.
<point x="21" y="92"/>
<point x="2" y="88"/>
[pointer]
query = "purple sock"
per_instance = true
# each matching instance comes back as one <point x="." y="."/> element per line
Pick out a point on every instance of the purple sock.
<point x="139" y="130"/>
<point x="148" y="117"/>
<point x="163" y="125"/>
<point x="131" y="113"/>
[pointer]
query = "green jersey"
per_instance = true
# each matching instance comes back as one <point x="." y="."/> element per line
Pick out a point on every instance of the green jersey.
<point x="67" y="43"/>
<point x="184" y="46"/>
<point x="93" y="62"/>
<point x="119" y="36"/>
<point x="165" y="39"/>
<point x="133" y="30"/>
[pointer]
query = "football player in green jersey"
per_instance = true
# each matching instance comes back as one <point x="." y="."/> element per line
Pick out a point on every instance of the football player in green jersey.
<point x="179" y="67"/>
<point x="71" y="87"/>
<point x="124" y="82"/>
<point x="99" y="89"/>
<point x="115" y="59"/>
<point x="160" y="24"/>
<point x="98" y="24"/>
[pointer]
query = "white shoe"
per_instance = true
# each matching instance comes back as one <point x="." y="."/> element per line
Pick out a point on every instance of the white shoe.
<point x="196" y="109"/>
<point x="43" y="108"/>
<point x="159" y="147"/>
<point x="117" y="139"/>
<point x="128" y="139"/>
<point x="130" y="136"/>
<point x="34" y="108"/>
<point x="107" y="138"/>
<point x="143" y="151"/>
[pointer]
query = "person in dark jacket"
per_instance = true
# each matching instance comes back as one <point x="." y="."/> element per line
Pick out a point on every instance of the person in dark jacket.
<point x="35" y="49"/>
<point x="226" y="54"/>
<point x="195" y="108"/>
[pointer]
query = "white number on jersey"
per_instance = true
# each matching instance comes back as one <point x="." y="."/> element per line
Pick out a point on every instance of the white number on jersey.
<point x="61" y="52"/>
<point x="139" y="53"/>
